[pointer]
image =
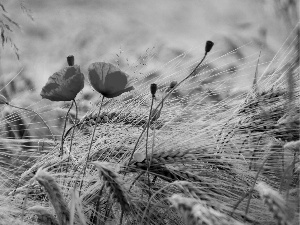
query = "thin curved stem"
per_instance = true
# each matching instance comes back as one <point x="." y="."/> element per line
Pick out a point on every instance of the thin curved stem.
<point x="138" y="176"/>
<point x="249" y="193"/>
<point x="161" y="102"/>
<point x="72" y="136"/>
<point x="157" y="192"/>
<point x="91" y="143"/>
<point x="71" y="128"/>
<point x="30" y="110"/>
<point x="62" y="136"/>
<point x="255" y="179"/>
<point x="147" y="160"/>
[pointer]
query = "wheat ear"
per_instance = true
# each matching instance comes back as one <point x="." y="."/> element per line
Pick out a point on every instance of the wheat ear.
<point x="43" y="215"/>
<point x="55" y="196"/>
<point x="112" y="183"/>
<point x="293" y="145"/>
<point x="275" y="203"/>
<point x="195" y="192"/>
<point x="169" y="157"/>
<point x="194" y="212"/>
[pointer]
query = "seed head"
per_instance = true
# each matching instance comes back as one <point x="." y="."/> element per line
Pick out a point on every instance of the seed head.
<point x="153" y="89"/>
<point x="208" y="46"/>
<point x="70" y="60"/>
<point x="173" y="84"/>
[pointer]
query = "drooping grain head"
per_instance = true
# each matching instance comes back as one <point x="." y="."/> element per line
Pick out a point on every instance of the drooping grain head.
<point x="276" y="204"/>
<point x="194" y="212"/>
<point x="43" y="215"/>
<point x="293" y="145"/>
<point x="112" y="183"/>
<point x="184" y="206"/>
<point x="55" y="196"/>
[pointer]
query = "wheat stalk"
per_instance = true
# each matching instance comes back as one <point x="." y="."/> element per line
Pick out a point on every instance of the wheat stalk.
<point x="275" y="203"/>
<point x="43" y="215"/>
<point x="172" y="156"/>
<point x="55" y="196"/>
<point x="113" y="184"/>
<point x="170" y="175"/>
<point x="168" y="157"/>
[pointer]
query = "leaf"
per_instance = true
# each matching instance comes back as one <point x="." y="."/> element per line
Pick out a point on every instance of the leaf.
<point x="108" y="80"/>
<point x="64" y="85"/>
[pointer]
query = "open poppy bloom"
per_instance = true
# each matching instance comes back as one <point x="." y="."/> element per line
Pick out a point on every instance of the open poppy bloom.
<point x="64" y="85"/>
<point x="108" y="80"/>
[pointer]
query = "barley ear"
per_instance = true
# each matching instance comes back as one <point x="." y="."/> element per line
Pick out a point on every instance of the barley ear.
<point x="293" y="145"/>
<point x="184" y="206"/>
<point x="55" y="196"/>
<point x="112" y="184"/>
<point x="194" y="212"/>
<point x="43" y="215"/>
<point x="76" y="204"/>
<point x="276" y="204"/>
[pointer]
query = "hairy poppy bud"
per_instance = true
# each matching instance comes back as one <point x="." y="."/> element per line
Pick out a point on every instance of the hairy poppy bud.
<point x="173" y="84"/>
<point x="153" y="89"/>
<point x="208" y="46"/>
<point x="70" y="60"/>
<point x="3" y="100"/>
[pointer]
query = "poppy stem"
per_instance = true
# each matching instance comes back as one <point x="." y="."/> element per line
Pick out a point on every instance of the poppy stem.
<point x="147" y="160"/>
<point x="72" y="136"/>
<point x="91" y="143"/>
<point x="62" y="136"/>
<point x="161" y="102"/>
<point x="30" y="110"/>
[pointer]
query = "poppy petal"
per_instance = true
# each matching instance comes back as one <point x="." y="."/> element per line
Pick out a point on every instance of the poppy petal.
<point x="108" y="80"/>
<point x="64" y="85"/>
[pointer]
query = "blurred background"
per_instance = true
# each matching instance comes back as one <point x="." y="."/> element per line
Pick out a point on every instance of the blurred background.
<point x="140" y="37"/>
<point x="95" y="30"/>
<point x="153" y="41"/>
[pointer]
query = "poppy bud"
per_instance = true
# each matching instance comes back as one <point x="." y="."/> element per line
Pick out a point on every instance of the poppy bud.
<point x="70" y="60"/>
<point x="153" y="89"/>
<point x="3" y="100"/>
<point x="112" y="115"/>
<point x="208" y="46"/>
<point x="173" y="84"/>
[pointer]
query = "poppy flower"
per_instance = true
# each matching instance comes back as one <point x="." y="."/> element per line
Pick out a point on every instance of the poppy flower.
<point x="108" y="80"/>
<point x="153" y="89"/>
<point x="64" y="85"/>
